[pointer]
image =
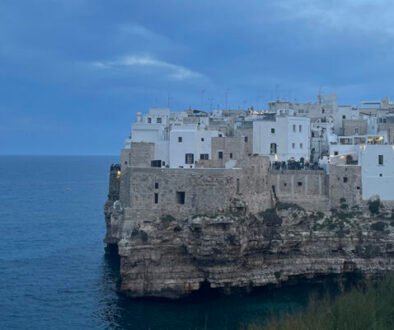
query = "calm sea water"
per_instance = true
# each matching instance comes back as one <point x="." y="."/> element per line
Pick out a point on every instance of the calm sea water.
<point x="53" y="272"/>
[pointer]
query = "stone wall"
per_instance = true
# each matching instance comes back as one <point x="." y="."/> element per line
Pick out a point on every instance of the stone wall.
<point x="139" y="155"/>
<point x="307" y="188"/>
<point x="233" y="147"/>
<point x="351" y="125"/>
<point x="247" y="135"/>
<point x="389" y="127"/>
<point x="345" y="185"/>
<point x="153" y="192"/>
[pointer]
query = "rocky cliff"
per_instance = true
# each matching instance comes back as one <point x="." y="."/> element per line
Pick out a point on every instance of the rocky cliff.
<point x="171" y="257"/>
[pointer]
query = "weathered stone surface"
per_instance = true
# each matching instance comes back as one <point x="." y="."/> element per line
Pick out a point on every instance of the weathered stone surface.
<point x="170" y="257"/>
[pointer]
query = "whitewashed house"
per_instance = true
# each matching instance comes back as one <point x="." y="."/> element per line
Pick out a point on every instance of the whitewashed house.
<point x="190" y="143"/>
<point x="153" y="128"/>
<point x="377" y="171"/>
<point x="282" y="136"/>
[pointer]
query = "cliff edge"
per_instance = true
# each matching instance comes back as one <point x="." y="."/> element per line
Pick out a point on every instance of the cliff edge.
<point x="170" y="257"/>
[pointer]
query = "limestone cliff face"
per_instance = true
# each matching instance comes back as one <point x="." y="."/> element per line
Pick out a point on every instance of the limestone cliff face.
<point x="172" y="257"/>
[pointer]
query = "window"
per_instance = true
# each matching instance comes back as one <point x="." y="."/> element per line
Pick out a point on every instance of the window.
<point x="335" y="153"/>
<point x="237" y="185"/>
<point x="380" y="174"/>
<point x="273" y="148"/>
<point x="158" y="120"/>
<point x="179" y="139"/>
<point x="343" y="117"/>
<point x="180" y="197"/>
<point x="293" y="145"/>
<point x="322" y="110"/>
<point x="149" y="120"/>
<point x="301" y="145"/>
<point x="380" y="159"/>
<point x="358" y="188"/>
<point x="220" y="135"/>
<point x="220" y="154"/>
<point x="231" y="155"/>
<point x="294" y="128"/>
<point x="345" y="179"/>
<point x="299" y="128"/>
<point x="155" y="163"/>
<point x="273" y="130"/>
<point x="356" y="130"/>
<point x="202" y="139"/>
<point x="299" y="183"/>
<point x="156" y="198"/>
<point x="204" y="156"/>
<point x="156" y="185"/>
<point x="189" y="158"/>
<point x="246" y="139"/>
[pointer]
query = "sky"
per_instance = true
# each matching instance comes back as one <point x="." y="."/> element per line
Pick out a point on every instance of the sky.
<point x="73" y="73"/>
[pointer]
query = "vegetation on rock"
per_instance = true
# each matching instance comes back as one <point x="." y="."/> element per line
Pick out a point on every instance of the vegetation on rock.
<point x="368" y="307"/>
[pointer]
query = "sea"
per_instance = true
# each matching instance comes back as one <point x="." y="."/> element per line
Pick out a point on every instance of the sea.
<point x="54" y="273"/>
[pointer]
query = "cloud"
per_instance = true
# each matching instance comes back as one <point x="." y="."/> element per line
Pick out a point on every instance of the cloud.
<point x="372" y="17"/>
<point x="176" y="72"/>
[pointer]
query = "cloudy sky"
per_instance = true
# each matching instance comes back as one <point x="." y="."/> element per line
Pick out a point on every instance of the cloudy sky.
<point x="73" y="73"/>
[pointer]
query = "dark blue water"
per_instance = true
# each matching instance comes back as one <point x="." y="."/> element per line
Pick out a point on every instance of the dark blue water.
<point x="53" y="272"/>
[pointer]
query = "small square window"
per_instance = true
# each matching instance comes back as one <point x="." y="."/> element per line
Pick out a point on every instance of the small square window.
<point x="180" y="197"/>
<point x="343" y="117"/>
<point x="273" y="130"/>
<point x="149" y="120"/>
<point x="202" y="139"/>
<point x="158" y="120"/>
<point x="380" y="174"/>
<point x="299" y="183"/>
<point x="335" y="153"/>
<point x="345" y="179"/>
<point x="179" y="138"/>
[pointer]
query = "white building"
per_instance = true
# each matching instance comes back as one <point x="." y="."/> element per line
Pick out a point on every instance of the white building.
<point x="153" y="128"/>
<point x="282" y="137"/>
<point x="190" y="143"/>
<point x="349" y="145"/>
<point x="344" y="112"/>
<point x="377" y="171"/>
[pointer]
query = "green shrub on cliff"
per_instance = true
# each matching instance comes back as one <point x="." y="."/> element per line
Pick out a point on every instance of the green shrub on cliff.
<point x="368" y="308"/>
<point x="374" y="206"/>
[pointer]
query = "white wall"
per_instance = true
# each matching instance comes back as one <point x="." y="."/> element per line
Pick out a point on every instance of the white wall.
<point x="157" y="116"/>
<point x="377" y="179"/>
<point x="341" y="113"/>
<point x="195" y="141"/>
<point x="290" y="143"/>
<point x="142" y="132"/>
